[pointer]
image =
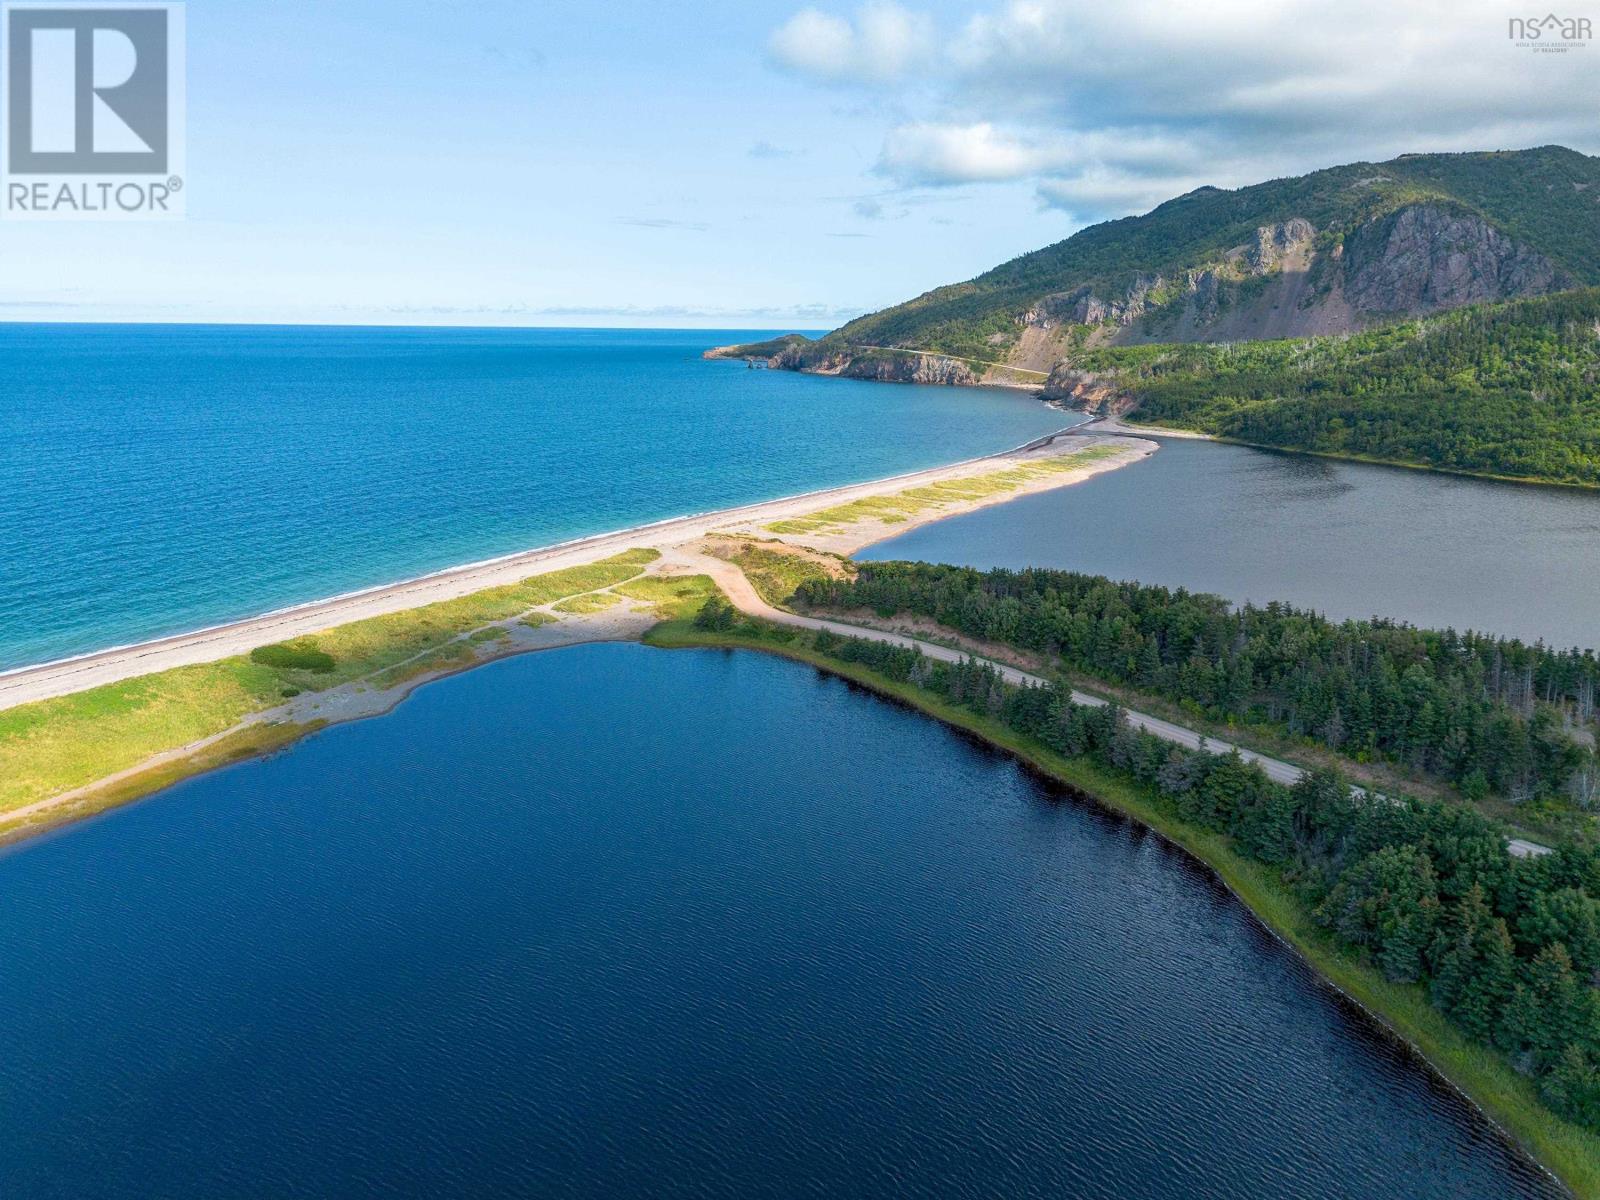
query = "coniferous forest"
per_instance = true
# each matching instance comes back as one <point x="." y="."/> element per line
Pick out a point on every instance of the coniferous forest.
<point x="1485" y="714"/>
<point x="1506" y="389"/>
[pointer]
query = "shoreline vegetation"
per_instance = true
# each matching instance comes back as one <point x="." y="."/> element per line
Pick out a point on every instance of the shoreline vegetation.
<point x="1483" y="1077"/>
<point x="82" y="735"/>
<point x="1499" y="391"/>
<point x="718" y="587"/>
<point x="1471" y="714"/>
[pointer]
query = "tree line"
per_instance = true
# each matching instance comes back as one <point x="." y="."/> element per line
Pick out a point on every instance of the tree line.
<point x="1502" y="389"/>
<point x="1508" y="948"/>
<point x="1485" y="714"/>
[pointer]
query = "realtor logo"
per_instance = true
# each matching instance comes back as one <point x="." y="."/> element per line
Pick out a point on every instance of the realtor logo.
<point x="93" y="100"/>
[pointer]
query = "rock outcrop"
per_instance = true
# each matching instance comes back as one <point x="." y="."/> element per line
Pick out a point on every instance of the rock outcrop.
<point x="884" y="366"/>
<point x="1418" y="259"/>
<point x="1332" y="252"/>
<point x="1086" y="390"/>
<point x="1193" y="301"/>
<point x="1424" y="258"/>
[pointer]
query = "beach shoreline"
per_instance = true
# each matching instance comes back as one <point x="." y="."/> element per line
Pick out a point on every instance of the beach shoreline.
<point x="59" y="778"/>
<point x="22" y="685"/>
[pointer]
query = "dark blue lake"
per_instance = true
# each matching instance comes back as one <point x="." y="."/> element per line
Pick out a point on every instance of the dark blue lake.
<point x="613" y="921"/>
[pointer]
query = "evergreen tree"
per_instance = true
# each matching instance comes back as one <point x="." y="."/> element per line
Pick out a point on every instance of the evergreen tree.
<point x="1388" y="902"/>
<point x="1568" y="917"/>
<point x="1473" y="967"/>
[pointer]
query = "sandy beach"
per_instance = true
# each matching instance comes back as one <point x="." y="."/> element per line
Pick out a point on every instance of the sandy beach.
<point x="65" y="676"/>
<point x="836" y="521"/>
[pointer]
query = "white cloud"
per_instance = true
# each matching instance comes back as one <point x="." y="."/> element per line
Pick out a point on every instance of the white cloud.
<point x="882" y="45"/>
<point x="933" y="154"/>
<point x="1107" y="109"/>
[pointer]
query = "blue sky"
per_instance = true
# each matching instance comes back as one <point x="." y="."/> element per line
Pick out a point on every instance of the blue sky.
<point x="742" y="164"/>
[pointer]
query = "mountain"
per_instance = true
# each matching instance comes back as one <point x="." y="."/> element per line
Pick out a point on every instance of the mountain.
<point x="1336" y="251"/>
<point x="1509" y="389"/>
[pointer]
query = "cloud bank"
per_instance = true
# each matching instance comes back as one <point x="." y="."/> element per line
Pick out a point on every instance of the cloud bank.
<point x="1107" y="109"/>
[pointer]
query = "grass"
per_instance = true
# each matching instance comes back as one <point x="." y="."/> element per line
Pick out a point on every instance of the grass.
<point x="1484" y="1076"/>
<point x="777" y="574"/>
<point x="302" y="654"/>
<point x="53" y="746"/>
<point x="901" y="506"/>
<point x="250" y="742"/>
<point x="671" y="597"/>
<point x="587" y="602"/>
<point x="363" y="647"/>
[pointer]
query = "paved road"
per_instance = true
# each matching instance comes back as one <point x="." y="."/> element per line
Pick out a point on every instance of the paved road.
<point x="744" y="596"/>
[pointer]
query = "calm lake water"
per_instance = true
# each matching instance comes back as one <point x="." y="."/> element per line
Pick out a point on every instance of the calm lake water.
<point x="764" y="935"/>
<point x="1348" y="539"/>
<point x="160" y="478"/>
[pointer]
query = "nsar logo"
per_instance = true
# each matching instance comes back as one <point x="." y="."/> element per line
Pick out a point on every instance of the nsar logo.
<point x="1550" y="34"/>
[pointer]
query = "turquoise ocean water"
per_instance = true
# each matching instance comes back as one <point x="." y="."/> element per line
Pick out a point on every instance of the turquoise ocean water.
<point x="162" y="478"/>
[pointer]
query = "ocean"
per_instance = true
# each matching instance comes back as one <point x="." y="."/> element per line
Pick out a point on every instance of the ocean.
<point x="162" y="478"/>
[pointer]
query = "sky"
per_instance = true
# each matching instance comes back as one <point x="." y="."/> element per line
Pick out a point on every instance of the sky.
<point x="746" y="165"/>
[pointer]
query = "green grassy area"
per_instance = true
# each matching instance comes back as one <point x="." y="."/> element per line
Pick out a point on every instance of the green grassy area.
<point x="1486" y="1077"/>
<point x="252" y="741"/>
<point x="588" y="602"/>
<point x="363" y="647"/>
<point x="776" y="574"/>
<point x="672" y="597"/>
<point x="52" y="746"/>
<point x="901" y="506"/>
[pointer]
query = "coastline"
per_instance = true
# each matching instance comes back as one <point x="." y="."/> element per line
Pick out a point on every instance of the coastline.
<point x="104" y="753"/>
<point x="1483" y="1080"/>
<point x="1113" y="425"/>
<point x="21" y="685"/>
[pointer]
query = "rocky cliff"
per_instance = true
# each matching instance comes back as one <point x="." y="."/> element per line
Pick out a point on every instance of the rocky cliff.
<point x="1333" y="252"/>
<point x="1288" y="282"/>
<point x="885" y="366"/>
<point x="1085" y="390"/>
<point x="1423" y="258"/>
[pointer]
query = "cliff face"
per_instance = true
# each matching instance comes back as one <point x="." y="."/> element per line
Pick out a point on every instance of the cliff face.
<point x="1423" y="258"/>
<point x="1284" y="248"/>
<point x="880" y="365"/>
<point x="1086" y="390"/>
<point x="1286" y="282"/>
<point x="1332" y="252"/>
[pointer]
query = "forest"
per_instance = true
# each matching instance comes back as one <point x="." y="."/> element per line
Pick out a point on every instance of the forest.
<point x="1504" y="389"/>
<point x="1484" y="714"/>
<point x="1507" y="948"/>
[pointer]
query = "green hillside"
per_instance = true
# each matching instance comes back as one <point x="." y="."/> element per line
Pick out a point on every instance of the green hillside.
<point x="1507" y="389"/>
<point x="1547" y="200"/>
